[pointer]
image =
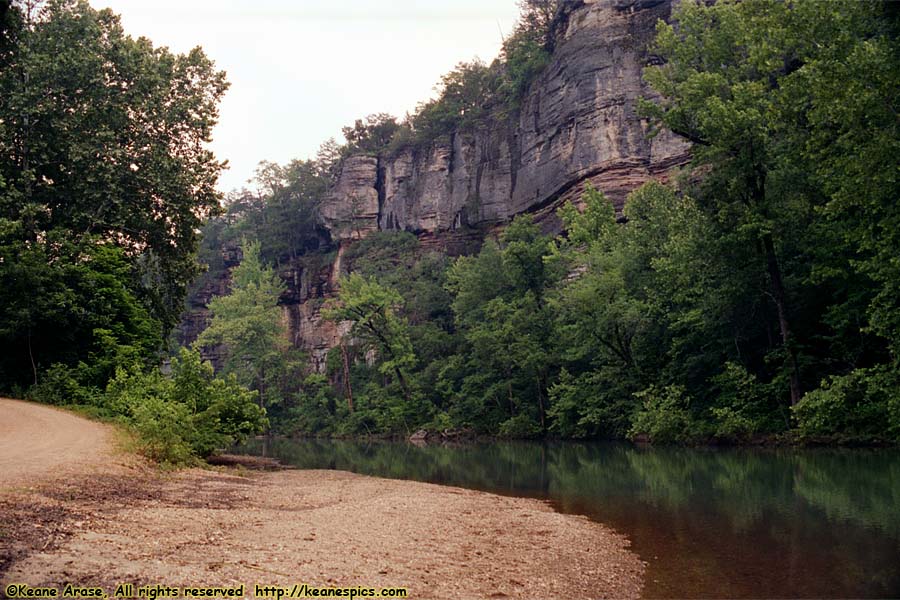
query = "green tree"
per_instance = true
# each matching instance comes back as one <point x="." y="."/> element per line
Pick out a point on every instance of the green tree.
<point x="723" y="90"/>
<point x="527" y="51"/>
<point x="611" y="338"/>
<point x="371" y="135"/>
<point x="287" y="222"/>
<point x="247" y="323"/>
<point x="374" y="312"/>
<point x="792" y="109"/>
<point x="102" y="145"/>
<point x="188" y="414"/>
<point x="499" y="380"/>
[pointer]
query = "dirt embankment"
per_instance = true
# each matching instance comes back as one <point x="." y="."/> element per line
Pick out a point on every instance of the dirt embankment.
<point x="72" y="509"/>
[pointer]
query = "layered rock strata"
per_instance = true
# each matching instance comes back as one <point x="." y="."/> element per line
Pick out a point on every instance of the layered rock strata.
<point x="577" y="124"/>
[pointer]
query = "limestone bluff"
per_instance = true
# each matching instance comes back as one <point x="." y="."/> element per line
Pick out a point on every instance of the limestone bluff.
<point x="577" y="123"/>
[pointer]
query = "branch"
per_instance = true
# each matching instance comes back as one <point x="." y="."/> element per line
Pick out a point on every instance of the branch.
<point x="691" y="137"/>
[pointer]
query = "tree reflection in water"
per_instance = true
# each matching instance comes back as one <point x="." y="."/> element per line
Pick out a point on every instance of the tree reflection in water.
<point x="709" y="522"/>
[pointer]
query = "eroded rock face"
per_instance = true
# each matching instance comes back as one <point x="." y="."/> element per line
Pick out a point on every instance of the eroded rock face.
<point x="310" y="284"/>
<point x="350" y="209"/>
<point x="196" y="317"/>
<point x="578" y="123"/>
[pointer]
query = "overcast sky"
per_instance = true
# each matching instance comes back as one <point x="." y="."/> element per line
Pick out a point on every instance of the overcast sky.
<point x="302" y="69"/>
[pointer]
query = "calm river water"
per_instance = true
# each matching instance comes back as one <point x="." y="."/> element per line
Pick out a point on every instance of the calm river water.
<point x="737" y="523"/>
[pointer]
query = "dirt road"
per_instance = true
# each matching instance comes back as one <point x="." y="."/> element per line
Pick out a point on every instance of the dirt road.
<point x="39" y="442"/>
<point x="76" y="510"/>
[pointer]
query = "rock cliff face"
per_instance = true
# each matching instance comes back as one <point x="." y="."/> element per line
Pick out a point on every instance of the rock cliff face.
<point x="308" y="283"/>
<point x="196" y="317"/>
<point x="578" y="123"/>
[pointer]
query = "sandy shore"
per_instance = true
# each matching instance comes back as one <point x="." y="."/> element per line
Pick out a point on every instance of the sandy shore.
<point x="100" y="517"/>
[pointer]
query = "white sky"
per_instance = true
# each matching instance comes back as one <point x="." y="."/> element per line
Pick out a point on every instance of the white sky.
<point x="302" y="69"/>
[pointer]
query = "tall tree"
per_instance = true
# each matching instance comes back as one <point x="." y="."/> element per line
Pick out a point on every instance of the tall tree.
<point x="722" y="91"/>
<point x="289" y="222"/>
<point x="102" y="144"/>
<point x="501" y="312"/>
<point x="792" y="109"/>
<point x="247" y="322"/>
<point x="377" y="324"/>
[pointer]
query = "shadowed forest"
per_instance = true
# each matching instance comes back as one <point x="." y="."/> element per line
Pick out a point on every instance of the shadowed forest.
<point x="755" y="295"/>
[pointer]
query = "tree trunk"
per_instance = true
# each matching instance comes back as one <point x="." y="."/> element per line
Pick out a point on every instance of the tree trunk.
<point x="348" y="385"/>
<point x="403" y="384"/>
<point x="262" y="391"/>
<point x="778" y="295"/>
<point x="541" y="409"/>
<point x="31" y="357"/>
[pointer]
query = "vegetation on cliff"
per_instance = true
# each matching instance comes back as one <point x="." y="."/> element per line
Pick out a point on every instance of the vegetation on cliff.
<point x="753" y="298"/>
<point x="473" y="94"/>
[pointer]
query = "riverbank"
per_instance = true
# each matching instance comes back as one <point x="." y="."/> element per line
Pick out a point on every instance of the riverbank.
<point x="107" y="517"/>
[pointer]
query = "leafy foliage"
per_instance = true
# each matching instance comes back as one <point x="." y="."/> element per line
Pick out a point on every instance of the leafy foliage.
<point x="753" y="297"/>
<point x="756" y="296"/>
<point x="792" y="132"/>
<point x="862" y="406"/>
<point x="104" y="183"/>
<point x="191" y="413"/>
<point x="247" y="324"/>
<point x="370" y="136"/>
<point x="373" y="311"/>
<point x="664" y="416"/>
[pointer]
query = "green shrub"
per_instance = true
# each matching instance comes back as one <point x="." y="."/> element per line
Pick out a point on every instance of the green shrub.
<point x="525" y="59"/>
<point x="165" y="430"/>
<point x="745" y="406"/>
<point x="440" y="422"/>
<point x="314" y="409"/>
<point x="132" y="387"/>
<point x="521" y="426"/>
<point x="60" y="385"/>
<point x="593" y="404"/>
<point x="863" y="405"/>
<point x="362" y="421"/>
<point x="191" y="413"/>
<point x="664" y="417"/>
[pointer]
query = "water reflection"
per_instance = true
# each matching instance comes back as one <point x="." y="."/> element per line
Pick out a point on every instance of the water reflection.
<point x="709" y="522"/>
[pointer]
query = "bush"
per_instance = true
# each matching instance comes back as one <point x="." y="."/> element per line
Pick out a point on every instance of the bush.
<point x="745" y="406"/>
<point x="593" y="404"/>
<point x="525" y="59"/>
<point x="60" y="385"/>
<point x="664" y="417"/>
<point x="314" y="411"/>
<point x="164" y="429"/>
<point x="521" y="426"/>
<point x="192" y="413"/>
<point x="863" y="405"/>
<point x="440" y="422"/>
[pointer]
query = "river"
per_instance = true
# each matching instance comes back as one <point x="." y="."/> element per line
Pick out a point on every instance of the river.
<point x="736" y="522"/>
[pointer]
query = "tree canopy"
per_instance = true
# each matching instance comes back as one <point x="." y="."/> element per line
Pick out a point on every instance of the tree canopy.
<point x="105" y="180"/>
<point x="754" y="296"/>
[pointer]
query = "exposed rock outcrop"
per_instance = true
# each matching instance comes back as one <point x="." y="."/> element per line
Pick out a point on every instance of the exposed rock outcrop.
<point x="309" y="281"/>
<point x="196" y="317"/>
<point x="578" y="123"/>
<point x="350" y="209"/>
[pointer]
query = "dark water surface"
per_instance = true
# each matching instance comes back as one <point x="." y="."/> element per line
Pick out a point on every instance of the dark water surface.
<point x="737" y="523"/>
